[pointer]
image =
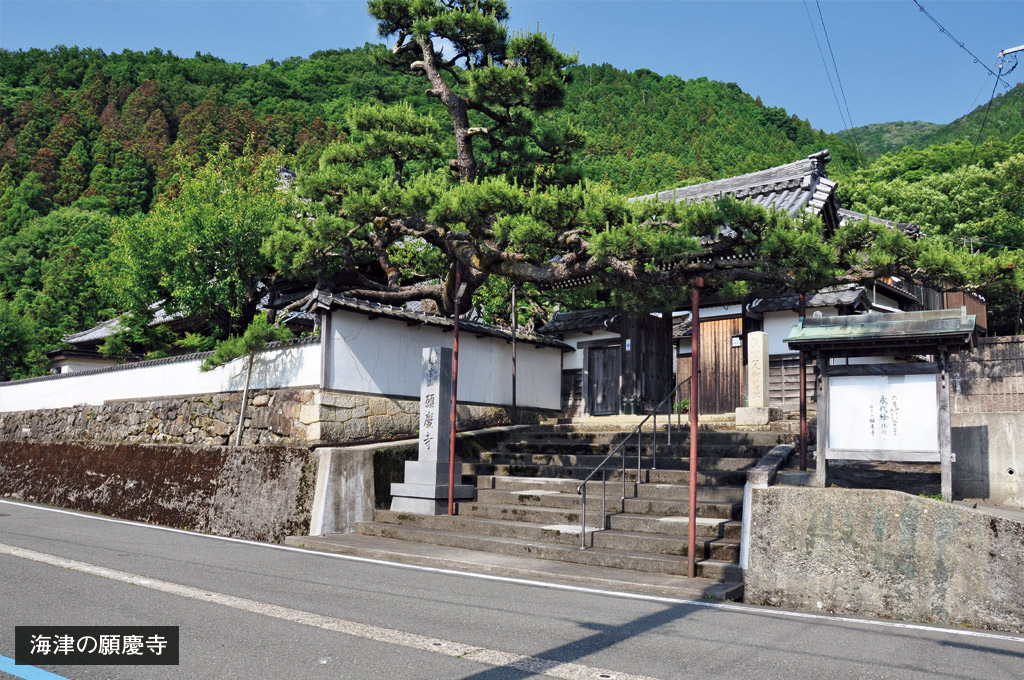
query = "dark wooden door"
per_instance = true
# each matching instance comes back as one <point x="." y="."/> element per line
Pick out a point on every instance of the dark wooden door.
<point x="604" y="370"/>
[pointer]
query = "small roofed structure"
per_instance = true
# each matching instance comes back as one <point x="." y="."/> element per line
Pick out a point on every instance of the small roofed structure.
<point x="896" y="412"/>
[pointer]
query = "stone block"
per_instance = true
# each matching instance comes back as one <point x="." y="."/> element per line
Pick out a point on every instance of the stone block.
<point x="357" y="428"/>
<point x="261" y="400"/>
<point x="335" y="399"/>
<point x="378" y="406"/>
<point x="309" y="413"/>
<point x="757" y="415"/>
<point x="381" y="426"/>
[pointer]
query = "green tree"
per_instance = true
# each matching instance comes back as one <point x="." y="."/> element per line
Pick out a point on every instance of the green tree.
<point x="200" y="252"/>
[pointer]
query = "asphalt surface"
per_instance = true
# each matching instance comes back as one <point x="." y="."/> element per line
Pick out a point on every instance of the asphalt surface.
<point x="250" y="610"/>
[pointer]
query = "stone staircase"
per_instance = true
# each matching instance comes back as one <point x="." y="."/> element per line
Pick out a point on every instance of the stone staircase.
<point x="527" y="502"/>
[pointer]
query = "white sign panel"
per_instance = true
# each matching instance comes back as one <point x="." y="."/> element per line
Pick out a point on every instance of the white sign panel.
<point x="883" y="413"/>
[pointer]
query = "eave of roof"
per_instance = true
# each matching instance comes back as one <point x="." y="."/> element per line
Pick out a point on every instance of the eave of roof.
<point x="582" y="320"/>
<point x="900" y="331"/>
<point x="377" y="310"/>
<point x="793" y="187"/>
<point x="851" y="295"/>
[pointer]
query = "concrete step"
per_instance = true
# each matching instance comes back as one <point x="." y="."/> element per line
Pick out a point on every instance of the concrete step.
<point x="565" y="496"/>
<point x="718" y="549"/>
<point x="669" y="508"/>
<point x="677" y="525"/>
<point x="679" y="438"/>
<point x="521" y="566"/>
<point x="704" y="478"/>
<point x="666" y="452"/>
<point x="603" y="557"/>
<point x="681" y="492"/>
<point x="709" y="546"/>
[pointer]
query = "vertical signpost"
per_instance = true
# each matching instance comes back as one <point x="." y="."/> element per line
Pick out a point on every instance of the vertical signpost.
<point x="427" y="482"/>
<point x="691" y="534"/>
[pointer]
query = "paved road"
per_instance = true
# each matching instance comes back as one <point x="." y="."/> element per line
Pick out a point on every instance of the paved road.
<point x="250" y="610"/>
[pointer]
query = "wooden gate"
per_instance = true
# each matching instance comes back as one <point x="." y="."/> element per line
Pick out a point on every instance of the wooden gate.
<point x="604" y="367"/>
<point x="721" y="366"/>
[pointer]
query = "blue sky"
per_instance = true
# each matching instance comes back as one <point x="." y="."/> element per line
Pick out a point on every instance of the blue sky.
<point x="893" y="62"/>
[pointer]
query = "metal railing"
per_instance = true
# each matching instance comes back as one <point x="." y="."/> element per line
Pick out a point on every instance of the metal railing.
<point x="603" y="468"/>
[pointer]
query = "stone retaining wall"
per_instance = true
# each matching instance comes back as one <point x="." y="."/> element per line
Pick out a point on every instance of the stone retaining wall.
<point x="886" y="554"/>
<point x="990" y="378"/>
<point x="260" y="493"/>
<point x="285" y="417"/>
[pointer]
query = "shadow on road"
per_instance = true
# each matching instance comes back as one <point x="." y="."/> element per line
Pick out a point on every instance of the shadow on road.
<point x="604" y="636"/>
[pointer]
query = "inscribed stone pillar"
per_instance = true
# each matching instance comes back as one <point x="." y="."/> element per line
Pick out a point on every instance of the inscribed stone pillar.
<point x="757" y="412"/>
<point x="757" y="369"/>
<point x="425" y="489"/>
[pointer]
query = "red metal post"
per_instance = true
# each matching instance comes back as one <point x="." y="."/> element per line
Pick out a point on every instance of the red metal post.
<point x="803" y="392"/>
<point x="455" y="390"/>
<point x="691" y="542"/>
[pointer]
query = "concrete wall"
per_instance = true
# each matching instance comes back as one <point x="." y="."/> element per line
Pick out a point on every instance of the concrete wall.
<point x="352" y="481"/>
<point x="262" y="493"/>
<point x="383" y="356"/>
<point x="886" y="554"/>
<point x="293" y="365"/>
<point x="989" y="450"/>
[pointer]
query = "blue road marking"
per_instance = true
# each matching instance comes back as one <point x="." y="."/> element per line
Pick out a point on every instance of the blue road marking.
<point x="26" y="672"/>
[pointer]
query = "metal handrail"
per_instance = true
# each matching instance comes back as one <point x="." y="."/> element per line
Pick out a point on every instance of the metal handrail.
<point x="638" y="430"/>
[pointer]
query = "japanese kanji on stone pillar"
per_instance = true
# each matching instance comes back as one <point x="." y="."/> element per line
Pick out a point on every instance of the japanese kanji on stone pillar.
<point x="425" y="489"/>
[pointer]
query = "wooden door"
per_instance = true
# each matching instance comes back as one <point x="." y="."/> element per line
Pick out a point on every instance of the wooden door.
<point x="721" y="366"/>
<point x="603" y="371"/>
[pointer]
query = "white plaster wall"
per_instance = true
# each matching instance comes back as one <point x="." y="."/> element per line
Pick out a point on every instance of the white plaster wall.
<point x="77" y="365"/>
<point x="574" y="360"/>
<point x="294" y="366"/>
<point x="778" y="326"/>
<point x="384" y="356"/>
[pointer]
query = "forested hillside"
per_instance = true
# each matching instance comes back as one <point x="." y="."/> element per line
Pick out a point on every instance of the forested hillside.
<point x="88" y="138"/>
<point x="135" y="177"/>
<point x="1005" y="121"/>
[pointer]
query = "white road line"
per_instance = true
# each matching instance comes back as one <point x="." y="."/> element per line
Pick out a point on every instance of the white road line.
<point x="490" y="657"/>
<point x="726" y="606"/>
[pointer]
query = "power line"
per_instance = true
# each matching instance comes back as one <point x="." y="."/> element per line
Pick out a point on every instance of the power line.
<point x="827" y="73"/>
<point x="856" y="146"/>
<point x="960" y="44"/>
<point x="991" y="98"/>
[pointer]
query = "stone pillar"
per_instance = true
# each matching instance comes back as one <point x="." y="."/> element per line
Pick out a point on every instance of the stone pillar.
<point x="425" y="489"/>
<point x="757" y="369"/>
<point x="757" y="410"/>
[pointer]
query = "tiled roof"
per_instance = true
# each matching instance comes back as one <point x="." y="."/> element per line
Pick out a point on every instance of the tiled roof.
<point x="850" y="294"/>
<point x="585" y="319"/>
<point x="113" y="326"/>
<point x="681" y="327"/>
<point x="374" y="309"/>
<point x="908" y="228"/>
<point x="792" y="187"/>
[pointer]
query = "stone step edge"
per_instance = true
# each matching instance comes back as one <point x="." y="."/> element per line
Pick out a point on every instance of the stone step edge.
<point x="651" y="558"/>
<point x="392" y="518"/>
<point x="531" y="569"/>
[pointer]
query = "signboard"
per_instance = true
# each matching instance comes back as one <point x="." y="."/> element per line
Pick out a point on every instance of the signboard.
<point x="883" y="417"/>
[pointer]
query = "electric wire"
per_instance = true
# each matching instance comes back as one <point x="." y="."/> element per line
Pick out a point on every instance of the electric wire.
<point x="959" y="43"/>
<point x="961" y="119"/>
<point x="842" y="91"/>
<point x="828" y="74"/>
<point x="984" y="121"/>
